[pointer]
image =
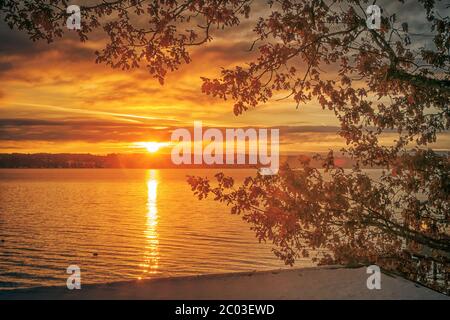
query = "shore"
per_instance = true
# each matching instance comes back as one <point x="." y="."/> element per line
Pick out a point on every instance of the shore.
<point x="294" y="284"/>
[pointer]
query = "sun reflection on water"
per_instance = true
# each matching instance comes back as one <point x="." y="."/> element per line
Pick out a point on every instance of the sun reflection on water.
<point x="151" y="255"/>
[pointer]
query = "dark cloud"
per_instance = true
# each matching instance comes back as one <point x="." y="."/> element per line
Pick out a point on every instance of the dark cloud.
<point x="302" y="129"/>
<point x="5" y="66"/>
<point x="79" y="130"/>
<point x="27" y="122"/>
<point x="228" y="52"/>
<point x="97" y="131"/>
<point x="17" y="43"/>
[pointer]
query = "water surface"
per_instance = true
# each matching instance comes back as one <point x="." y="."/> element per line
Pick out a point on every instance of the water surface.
<point x="118" y="225"/>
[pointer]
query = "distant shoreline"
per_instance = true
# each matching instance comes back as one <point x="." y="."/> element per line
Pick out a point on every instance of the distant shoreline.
<point x="154" y="168"/>
<point x="145" y="161"/>
<point x="317" y="283"/>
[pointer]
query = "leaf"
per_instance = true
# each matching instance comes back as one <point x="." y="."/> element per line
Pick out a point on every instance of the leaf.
<point x="405" y="27"/>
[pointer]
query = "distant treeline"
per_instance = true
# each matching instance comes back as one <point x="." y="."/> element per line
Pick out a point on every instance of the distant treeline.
<point x="143" y="161"/>
<point x="68" y="160"/>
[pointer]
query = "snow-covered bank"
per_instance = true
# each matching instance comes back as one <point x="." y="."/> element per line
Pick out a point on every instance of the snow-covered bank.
<point x="310" y="283"/>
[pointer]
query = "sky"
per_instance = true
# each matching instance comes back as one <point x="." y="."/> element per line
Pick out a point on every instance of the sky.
<point x="55" y="98"/>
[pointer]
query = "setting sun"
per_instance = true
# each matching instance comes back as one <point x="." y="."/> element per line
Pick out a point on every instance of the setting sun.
<point x="152" y="146"/>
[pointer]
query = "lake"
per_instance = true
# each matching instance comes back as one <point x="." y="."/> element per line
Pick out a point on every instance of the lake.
<point x="118" y="224"/>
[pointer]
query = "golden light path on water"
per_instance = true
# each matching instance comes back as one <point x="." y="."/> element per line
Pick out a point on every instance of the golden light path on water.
<point x="151" y="256"/>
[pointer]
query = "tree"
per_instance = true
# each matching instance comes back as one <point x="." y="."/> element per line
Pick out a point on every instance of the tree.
<point x="378" y="82"/>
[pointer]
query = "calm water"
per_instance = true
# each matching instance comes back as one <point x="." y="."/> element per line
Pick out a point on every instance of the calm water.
<point x="140" y="223"/>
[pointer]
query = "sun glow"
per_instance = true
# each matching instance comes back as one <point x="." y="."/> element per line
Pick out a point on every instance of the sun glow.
<point x="152" y="146"/>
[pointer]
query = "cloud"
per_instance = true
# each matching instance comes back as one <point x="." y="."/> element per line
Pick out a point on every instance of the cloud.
<point x="88" y="130"/>
<point x="15" y="42"/>
<point x="80" y="130"/>
<point x="5" y="66"/>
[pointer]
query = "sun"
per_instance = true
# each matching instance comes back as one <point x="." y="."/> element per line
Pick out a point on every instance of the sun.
<point x="152" y="147"/>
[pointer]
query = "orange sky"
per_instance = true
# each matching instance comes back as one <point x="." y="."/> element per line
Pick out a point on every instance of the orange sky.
<point x="54" y="98"/>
